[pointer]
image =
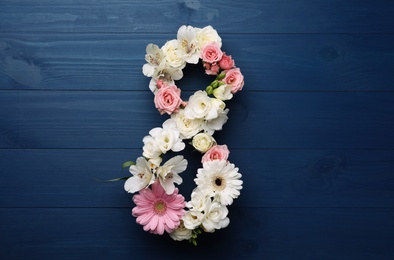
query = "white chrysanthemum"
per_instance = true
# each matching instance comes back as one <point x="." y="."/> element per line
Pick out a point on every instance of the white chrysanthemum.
<point x="207" y="35"/>
<point x="186" y="126"/>
<point x="220" y="180"/>
<point x="188" y="44"/>
<point x="200" y="106"/>
<point x="142" y="176"/>
<point x="173" y="59"/>
<point x="168" y="173"/>
<point x="181" y="233"/>
<point x="192" y="219"/>
<point x="216" y="124"/>
<point x="155" y="58"/>
<point x="215" y="217"/>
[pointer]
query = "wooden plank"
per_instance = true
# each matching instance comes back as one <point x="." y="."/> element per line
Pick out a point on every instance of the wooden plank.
<point x="278" y="120"/>
<point x="253" y="16"/>
<point x="281" y="178"/>
<point x="270" y="62"/>
<point x="254" y="233"/>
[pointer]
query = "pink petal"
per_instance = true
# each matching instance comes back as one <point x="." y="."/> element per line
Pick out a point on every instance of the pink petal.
<point x="160" y="228"/>
<point x="168" y="221"/>
<point x="145" y="219"/>
<point x="154" y="221"/>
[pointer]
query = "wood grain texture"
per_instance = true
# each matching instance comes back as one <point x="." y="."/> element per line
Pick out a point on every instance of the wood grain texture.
<point x="254" y="16"/>
<point x="312" y="131"/>
<point x="265" y="233"/>
<point x="272" y="178"/>
<point x="114" y="119"/>
<point x="270" y="62"/>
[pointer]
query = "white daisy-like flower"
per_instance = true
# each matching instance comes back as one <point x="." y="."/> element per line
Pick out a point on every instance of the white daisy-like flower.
<point x="220" y="180"/>
<point x="188" y="44"/>
<point x="155" y="58"/>
<point x="215" y="217"/>
<point x="168" y="173"/>
<point x="142" y="176"/>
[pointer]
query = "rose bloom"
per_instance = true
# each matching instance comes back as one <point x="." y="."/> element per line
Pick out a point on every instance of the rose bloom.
<point x="216" y="152"/>
<point x="211" y="53"/>
<point x="226" y="62"/>
<point x="202" y="142"/>
<point x="168" y="99"/>
<point x="234" y="78"/>
<point x="211" y="69"/>
<point x="206" y="35"/>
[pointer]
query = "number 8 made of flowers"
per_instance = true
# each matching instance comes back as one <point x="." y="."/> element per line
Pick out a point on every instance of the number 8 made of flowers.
<point x="159" y="206"/>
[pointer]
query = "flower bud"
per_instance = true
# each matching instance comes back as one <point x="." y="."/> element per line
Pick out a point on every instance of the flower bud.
<point x="209" y="90"/>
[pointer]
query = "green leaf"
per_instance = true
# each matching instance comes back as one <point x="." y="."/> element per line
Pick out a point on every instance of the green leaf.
<point x="112" y="180"/>
<point x="127" y="164"/>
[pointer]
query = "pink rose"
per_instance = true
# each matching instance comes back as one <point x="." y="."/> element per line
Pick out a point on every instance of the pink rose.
<point x="211" y="52"/>
<point x="226" y="62"/>
<point x="234" y="78"/>
<point x="216" y="152"/>
<point x="168" y="99"/>
<point x="211" y="69"/>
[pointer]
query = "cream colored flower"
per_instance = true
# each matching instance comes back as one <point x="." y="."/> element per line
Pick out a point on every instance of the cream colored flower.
<point x="223" y="92"/>
<point x="186" y="126"/>
<point x="215" y="217"/>
<point x="188" y="44"/>
<point x="202" y="142"/>
<point x="181" y="233"/>
<point x="207" y="35"/>
<point x="173" y="58"/>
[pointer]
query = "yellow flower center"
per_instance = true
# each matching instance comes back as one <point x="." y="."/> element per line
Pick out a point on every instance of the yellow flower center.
<point x="159" y="207"/>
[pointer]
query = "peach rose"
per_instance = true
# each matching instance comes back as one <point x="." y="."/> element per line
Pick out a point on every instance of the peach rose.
<point x="168" y="99"/>
<point x="216" y="152"/>
<point x="211" y="52"/>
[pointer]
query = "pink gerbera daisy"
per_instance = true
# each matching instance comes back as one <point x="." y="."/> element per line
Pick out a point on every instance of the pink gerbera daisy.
<point x="158" y="211"/>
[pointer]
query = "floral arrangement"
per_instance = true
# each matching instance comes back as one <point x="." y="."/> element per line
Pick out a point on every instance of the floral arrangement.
<point x="159" y="206"/>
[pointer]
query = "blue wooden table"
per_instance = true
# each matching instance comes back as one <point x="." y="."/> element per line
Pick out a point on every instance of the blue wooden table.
<point x="312" y="132"/>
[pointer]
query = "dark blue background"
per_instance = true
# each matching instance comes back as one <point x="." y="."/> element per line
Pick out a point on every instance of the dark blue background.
<point x="312" y="131"/>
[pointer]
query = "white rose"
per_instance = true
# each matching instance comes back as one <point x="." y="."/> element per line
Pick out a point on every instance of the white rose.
<point x="192" y="219"/>
<point x="186" y="126"/>
<point x="198" y="200"/>
<point x="150" y="148"/>
<point x="215" y="217"/>
<point x="202" y="142"/>
<point x="223" y="92"/>
<point x="171" y="53"/>
<point x="200" y="106"/>
<point x="167" y="139"/>
<point x="207" y="35"/>
<point x="181" y="233"/>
